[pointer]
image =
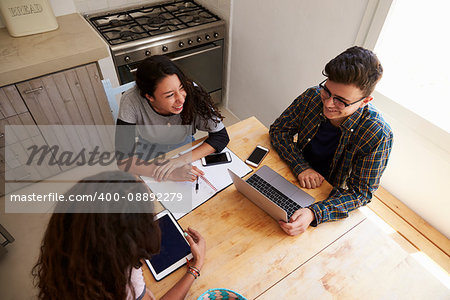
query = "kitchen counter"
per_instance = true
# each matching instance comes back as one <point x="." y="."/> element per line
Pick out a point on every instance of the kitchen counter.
<point x="74" y="43"/>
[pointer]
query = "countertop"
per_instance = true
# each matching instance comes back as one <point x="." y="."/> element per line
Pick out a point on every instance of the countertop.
<point x="74" y="43"/>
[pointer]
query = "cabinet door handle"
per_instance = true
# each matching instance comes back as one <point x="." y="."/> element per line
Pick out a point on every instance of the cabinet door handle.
<point x="2" y="135"/>
<point x="33" y="90"/>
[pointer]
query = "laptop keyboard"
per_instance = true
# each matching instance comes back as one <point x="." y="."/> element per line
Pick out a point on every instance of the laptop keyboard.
<point x="273" y="194"/>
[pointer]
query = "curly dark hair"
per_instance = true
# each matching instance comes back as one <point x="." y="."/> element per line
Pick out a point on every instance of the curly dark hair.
<point x="357" y="66"/>
<point x="198" y="102"/>
<point x="91" y="255"/>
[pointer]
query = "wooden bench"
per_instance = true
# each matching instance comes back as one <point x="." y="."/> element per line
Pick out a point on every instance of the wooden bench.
<point x="412" y="227"/>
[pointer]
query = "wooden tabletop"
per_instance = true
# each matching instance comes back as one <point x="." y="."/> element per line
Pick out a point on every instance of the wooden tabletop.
<point x="248" y="252"/>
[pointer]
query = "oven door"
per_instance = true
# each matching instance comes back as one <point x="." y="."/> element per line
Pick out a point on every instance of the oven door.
<point x="204" y="65"/>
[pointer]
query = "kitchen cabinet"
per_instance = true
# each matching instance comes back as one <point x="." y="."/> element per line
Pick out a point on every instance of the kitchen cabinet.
<point x="73" y="96"/>
<point x="70" y="97"/>
<point x="13" y="152"/>
<point x="62" y="99"/>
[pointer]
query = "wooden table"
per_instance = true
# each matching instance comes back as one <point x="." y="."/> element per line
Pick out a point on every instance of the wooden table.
<point x="249" y="253"/>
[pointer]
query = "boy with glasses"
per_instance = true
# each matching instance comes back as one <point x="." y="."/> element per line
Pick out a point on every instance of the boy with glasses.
<point x="341" y="138"/>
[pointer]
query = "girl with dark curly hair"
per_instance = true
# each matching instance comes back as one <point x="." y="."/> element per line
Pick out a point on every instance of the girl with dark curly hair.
<point x="164" y="110"/>
<point x="93" y="250"/>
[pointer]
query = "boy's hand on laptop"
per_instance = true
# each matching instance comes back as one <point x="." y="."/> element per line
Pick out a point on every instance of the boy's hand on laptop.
<point x="299" y="222"/>
<point x="310" y="179"/>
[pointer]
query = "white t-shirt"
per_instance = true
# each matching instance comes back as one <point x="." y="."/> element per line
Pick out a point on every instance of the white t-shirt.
<point x="138" y="285"/>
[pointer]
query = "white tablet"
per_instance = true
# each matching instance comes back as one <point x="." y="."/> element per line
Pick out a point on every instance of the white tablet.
<point x="174" y="247"/>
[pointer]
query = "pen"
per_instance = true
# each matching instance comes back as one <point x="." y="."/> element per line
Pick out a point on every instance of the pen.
<point x="196" y="186"/>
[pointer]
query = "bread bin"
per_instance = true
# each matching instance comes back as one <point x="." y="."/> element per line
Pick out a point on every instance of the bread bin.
<point x="25" y="17"/>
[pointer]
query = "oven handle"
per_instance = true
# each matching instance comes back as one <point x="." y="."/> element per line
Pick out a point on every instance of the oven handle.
<point x="131" y="70"/>
<point x="184" y="56"/>
<point x="195" y="53"/>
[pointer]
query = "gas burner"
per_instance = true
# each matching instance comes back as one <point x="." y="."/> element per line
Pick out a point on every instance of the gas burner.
<point x="181" y="6"/>
<point x="152" y="21"/>
<point x="156" y="24"/>
<point x="188" y="18"/>
<point x="115" y="23"/>
<point x="111" y="21"/>
<point x="186" y="6"/>
<point x="126" y="35"/>
<point x="206" y="15"/>
<point x="194" y="18"/>
<point x="157" y="30"/>
<point x="161" y="29"/>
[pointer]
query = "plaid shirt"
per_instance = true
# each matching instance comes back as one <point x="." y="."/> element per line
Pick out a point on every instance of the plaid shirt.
<point x="359" y="160"/>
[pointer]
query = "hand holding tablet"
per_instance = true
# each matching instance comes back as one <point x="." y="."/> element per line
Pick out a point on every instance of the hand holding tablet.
<point x="198" y="247"/>
<point x="176" y="247"/>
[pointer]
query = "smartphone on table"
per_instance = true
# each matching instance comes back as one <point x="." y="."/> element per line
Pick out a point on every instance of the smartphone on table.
<point x="257" y="156"/>
<point x="216" y="159"/>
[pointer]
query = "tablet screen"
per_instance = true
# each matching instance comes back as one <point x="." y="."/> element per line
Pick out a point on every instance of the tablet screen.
<point x="173" y="246"/>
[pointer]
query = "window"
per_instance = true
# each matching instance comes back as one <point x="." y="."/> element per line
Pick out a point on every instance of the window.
<point x="414" y="49"/>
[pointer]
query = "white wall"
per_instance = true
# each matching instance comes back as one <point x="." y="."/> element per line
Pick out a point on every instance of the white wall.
<point x="62" y="7"/>
<point x="279" y="48"/>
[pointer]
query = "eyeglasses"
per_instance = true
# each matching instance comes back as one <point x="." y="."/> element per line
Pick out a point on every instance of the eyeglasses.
<point x="339" y="102"/>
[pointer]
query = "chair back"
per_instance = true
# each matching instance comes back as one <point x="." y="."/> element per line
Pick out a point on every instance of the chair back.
<point x="112" y="92"/>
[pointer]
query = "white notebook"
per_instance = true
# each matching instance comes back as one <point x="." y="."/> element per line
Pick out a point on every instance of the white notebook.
<point x="181" y="198"/>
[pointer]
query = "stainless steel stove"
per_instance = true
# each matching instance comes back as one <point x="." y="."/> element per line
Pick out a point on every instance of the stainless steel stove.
<point x="183" y="30"/>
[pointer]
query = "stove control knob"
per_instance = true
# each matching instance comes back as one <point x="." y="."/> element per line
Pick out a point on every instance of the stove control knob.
<point x="190" y="42"/>
<point x="207" y="37"/>
<point x="164" y="48"/>
<point x="199" y="39"/>
<point x="181" y="44"/>
<point x="127" y="58"/>
<point x="147" y="53"/>
<point x="216" y="35"/>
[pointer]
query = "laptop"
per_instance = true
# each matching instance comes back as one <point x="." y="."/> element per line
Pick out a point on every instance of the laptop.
<point x="272" y="193"/>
